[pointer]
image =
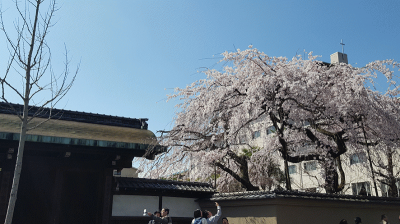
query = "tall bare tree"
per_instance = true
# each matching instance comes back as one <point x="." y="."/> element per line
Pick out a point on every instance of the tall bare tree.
<point x="30" y="58"/>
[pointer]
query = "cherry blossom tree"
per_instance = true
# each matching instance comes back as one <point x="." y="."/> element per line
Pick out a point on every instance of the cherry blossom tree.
<point x="314" y="107"/>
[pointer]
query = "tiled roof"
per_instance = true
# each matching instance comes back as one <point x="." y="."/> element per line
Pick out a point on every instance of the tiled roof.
<point x="84" y="117"/>
<point x="77" y="133"/>
<point x="249" y="195"/>
<point x="78" y="128"/>
<point x="139" y="184"/>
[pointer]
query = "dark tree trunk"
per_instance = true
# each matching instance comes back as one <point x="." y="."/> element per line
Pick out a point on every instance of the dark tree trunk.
<point x="392" y="187"/>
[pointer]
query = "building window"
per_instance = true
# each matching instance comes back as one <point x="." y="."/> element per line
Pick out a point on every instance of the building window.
<point x="242" y="139"/>
<point x="361" y="188"/>
<point x="256" y="134"/>
<point x="358" y="158"/>
<point x="310" y="166"/>
<point x="117" y="173"/>
<point x="271" y="130"/>
<point x="292" y="169"/>
<point x="385" y="189"/>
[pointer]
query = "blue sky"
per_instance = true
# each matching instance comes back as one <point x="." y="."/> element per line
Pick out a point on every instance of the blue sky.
<point x="133" y="53"/>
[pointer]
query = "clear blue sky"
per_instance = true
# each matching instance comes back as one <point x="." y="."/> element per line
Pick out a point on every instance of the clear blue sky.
<point x="133" y="53"/>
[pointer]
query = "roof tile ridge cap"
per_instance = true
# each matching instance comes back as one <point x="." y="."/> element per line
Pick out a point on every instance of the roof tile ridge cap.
<point x="130" y="177"/>
<point x="224" y="193"/>
<point x="147" y="179"/>
<point x="75" y="111"/>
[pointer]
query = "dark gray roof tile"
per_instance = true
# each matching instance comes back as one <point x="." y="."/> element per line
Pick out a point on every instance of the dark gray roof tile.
<point x="166" y="185"/>
<point x="254" y="195"/>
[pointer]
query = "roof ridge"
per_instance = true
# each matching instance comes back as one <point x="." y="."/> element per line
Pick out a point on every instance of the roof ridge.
<point x="168" y="181"/>
<point x="69" y="115"/>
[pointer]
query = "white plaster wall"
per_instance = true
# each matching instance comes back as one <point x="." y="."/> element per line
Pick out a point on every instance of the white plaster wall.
<point x="133" y="205"/>
<point x="180" y="207"/>
<point x="129" y="172"/>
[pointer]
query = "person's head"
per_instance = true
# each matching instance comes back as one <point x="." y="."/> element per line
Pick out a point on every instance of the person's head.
<point x="225" y="220"/>
<point x="164" y="212"/>
<point x="357" y="220"/>
<point x="343" y="221"/>
<point x="157" y="213"/>
<point x="205" y="214"/>
<point x="197" y="213"/>
<point x="384" y="217"/>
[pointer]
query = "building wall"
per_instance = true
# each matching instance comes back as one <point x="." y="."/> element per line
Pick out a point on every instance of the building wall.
<point x="133" y="205"/>
<point x="180" y="207"/>
<point x="304" y="180"/>
<point x="126" y="172"/>
<point x="331" y="212"/>
<point x="58" y="189"/>
<point x="242" y="212"/>
<point x="303" y="211"/>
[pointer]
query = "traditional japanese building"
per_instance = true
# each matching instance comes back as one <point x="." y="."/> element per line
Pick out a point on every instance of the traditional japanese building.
<point x="68" y="164"/>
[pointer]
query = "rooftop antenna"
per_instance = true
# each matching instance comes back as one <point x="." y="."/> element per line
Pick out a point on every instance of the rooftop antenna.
<point x="341" y="42"/>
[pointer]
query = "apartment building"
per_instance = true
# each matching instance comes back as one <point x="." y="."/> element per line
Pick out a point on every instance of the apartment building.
<point x="308" y="176"/>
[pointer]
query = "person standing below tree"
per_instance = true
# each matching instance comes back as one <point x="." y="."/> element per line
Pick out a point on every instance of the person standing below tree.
<point x="156" y="213"/>
<point x="225" y="220"/>
<point x="164" y="219"/>
<point x="198" y="217"/>
<point x="384" y="219"/>
<point x="213" y="219"/>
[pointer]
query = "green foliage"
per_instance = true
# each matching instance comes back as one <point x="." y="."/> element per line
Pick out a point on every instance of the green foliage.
<point x="249" y="152"/>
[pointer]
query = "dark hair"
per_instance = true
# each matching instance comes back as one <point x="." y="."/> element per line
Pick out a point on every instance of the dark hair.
<point x="167" y="210"/>
<point x="205" y="214"/>
<point x="343" y="221"/>
<point x="227" y="219"/>
<point x="357" y="220"/>
<point x="197" y="213"/>
<point x="383" y="217"/>
<point x="157" y="212"/>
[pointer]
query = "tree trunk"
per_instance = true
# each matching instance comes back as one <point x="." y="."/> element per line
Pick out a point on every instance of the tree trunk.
<point x="18" y="167"/>
<point x="245" y="182"/>
<point x="342" y="174"/>
<point x="331" y="180"/>
<point x="392" y="188"/>
<point x="370" y="160"/>
<point x="287" y="176"/>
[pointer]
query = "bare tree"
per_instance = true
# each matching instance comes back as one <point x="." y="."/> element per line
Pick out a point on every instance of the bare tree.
<point x="30" y="58"/>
